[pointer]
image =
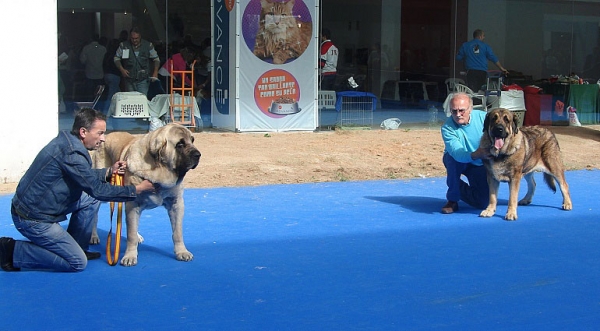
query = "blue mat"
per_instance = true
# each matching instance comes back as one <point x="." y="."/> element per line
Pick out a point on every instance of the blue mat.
<point x="373" y="255"/>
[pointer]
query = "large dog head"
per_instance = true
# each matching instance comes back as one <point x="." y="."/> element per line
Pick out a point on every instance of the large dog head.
<point x="499" y="129"/>
<point x="173" y="146"/>
<point x="163" y="156"/>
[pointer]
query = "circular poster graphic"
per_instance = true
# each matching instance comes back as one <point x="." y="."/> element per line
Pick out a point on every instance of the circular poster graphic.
<point x="276" y="93"/>
<point x="277" y="31"/>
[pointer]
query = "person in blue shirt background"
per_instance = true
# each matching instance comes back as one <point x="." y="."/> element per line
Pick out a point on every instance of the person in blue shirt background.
<point x="475" y="54"/>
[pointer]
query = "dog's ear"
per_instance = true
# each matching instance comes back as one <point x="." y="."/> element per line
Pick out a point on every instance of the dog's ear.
<point x="515" y="124"/>
<point x="486" y="122"/>
<point x="157" y="141"/>
<point x="156" y="146"/>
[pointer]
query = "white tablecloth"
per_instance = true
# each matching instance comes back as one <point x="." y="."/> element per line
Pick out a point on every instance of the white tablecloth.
<point x="512" y="100"/>
<point x="159" y="105"/>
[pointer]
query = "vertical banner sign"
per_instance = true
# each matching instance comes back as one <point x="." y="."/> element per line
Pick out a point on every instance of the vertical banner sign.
<point x="278" y="57"/>
<point x="220" y="56"/>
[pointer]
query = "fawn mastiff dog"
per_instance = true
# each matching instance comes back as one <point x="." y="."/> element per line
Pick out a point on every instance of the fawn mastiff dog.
<point x="163" y="156"/>
<point x="516" y="153"/>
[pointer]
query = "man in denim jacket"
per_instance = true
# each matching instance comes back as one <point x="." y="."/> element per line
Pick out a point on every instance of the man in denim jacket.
<point x="61" y="181"/>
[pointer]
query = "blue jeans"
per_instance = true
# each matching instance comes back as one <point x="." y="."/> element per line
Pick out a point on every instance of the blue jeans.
<point x="328" y="82"/>
<point x="476" y="193"/>
<point x="139" y="86"/>
<point x="51" y="247"/>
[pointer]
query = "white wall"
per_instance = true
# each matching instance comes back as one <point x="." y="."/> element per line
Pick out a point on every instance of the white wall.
<point x="29" y="94"/>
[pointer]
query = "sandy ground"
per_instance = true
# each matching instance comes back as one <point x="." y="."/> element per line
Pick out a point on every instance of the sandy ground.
<point x="247" y="159"/>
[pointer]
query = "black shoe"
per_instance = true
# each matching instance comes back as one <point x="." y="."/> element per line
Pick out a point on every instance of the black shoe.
<point x="450" y="207"/>
<point x="92" y="255"/>
<point x="7" y="249"/>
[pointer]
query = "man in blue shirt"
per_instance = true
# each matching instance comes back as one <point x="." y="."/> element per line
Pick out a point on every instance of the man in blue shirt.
<point x="61" y="181"/>
<point x="475" y="54"/>
<point x="461" y="134"/>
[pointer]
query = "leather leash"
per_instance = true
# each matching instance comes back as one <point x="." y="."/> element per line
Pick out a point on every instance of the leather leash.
<point x="116" y="179"/>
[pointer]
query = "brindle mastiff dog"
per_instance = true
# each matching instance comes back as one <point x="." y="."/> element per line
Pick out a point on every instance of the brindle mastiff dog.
<point x="516" y="153"/>
<point x="163" y="157"/>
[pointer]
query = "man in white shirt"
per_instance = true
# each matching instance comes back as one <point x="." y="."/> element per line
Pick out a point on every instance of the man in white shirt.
<point x="328" y="61"/>
<point x="91" y="57"/>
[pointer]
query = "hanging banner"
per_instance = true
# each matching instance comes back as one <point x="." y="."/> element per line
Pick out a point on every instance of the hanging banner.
<point x="220" y="55"/>
<point x="277" y="61"/>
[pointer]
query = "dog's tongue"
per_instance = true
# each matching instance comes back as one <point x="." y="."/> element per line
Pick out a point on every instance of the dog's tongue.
<point x="498" y="143"/>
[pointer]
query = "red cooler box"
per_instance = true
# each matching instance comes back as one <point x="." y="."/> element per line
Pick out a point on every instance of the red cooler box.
<point x="539" y="109"/>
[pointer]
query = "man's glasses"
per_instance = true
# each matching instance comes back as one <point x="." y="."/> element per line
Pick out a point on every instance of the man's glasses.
<point x="456" y="111"/>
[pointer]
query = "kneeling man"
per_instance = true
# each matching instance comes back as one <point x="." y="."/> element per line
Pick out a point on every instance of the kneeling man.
<point x="462" y="156"/>
<point x="61" y="181"/>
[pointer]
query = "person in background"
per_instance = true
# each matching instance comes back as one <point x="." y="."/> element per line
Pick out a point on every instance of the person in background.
<point x="123" y="36"/>
<point x="188" y="41"/>
<point x="138" y="62"/>
<point x="377" y="65"/>
<point x="61" y="181"/>
<point x="461" y="134"/>
<point x="179" y="62"/>
<point x="328" y="61"/>
<point x="475" y="54"/>
<point x="91" y="57"/>
<point x="63" y="68"/>
<point x="204" y="65"/>
<point x="112" y="75"/>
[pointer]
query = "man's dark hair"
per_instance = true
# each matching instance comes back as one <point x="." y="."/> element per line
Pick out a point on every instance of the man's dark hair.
<point x="85" y="118"/>
<point x="124" y="35"/>
<point x="477" y="33"/>
<point x="326" y="33"/>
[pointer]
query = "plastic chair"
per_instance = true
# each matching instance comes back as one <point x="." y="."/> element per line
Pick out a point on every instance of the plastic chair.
<point x="451" y="84"/>
<point x="494" y="83"/>
<point x="90" y="104"/>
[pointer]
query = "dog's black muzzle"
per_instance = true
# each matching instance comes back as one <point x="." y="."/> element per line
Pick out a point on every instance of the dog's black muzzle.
<point x="194" y="158"/>
<point x="499" y="131"/>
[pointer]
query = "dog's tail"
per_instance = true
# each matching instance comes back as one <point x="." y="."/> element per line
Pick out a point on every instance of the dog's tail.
<point x="550" y="181"/>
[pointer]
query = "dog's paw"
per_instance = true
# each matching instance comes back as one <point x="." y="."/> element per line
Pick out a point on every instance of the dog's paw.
<point x="140" y="238"/>
<point x="94" y="240"/>
<point x="510" y="216"/>
<point x="487" y="213"/>
<point x="524" y="202"/>
<point x="184" y="256"/>
<point x="129" y="260"/>
<point x="567" y="206"/>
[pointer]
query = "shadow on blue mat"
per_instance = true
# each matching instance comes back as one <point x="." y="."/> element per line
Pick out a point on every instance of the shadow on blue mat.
<point x="373" y="255"/>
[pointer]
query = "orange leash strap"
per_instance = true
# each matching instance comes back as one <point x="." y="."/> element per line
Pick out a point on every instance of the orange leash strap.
<point x="112" y="259"/>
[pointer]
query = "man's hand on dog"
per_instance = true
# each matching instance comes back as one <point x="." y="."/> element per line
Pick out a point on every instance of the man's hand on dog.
<point x="481" y="153"/>
<point x="145" y="186"/>
<point x="119" y="167"/>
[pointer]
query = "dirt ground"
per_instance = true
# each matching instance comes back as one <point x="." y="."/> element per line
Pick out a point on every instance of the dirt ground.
<point x="248" y="159"/>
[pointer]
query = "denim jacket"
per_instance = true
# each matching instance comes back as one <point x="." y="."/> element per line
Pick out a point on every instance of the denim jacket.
<point x="57" y="177"/>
